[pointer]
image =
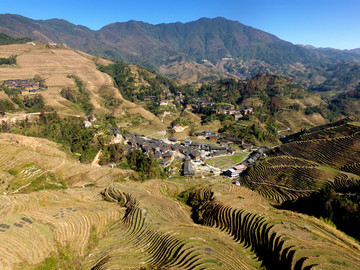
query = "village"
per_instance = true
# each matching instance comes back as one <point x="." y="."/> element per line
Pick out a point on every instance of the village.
<point x="192" y="154"/>
<point x="25" y="87"/>
<point x="196" y="104"/>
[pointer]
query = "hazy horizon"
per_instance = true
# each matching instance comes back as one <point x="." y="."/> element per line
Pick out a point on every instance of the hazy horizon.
<point x="323" y="23"/>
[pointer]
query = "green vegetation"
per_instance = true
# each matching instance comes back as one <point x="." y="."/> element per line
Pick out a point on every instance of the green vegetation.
<point x="151" y="83"/>
<point x="109" y="101"/>
<point x="339" y="209"/>
<point x="80" y="97"/>
<point x="251" y="132"/>
<point x="45" y="181"/>
<point x="6" y="106"/>
<point x="30" y="104"/>
<point x="64" y="258"/>
<point x="67" y="131"/>
<point x="13" y="172"/>
<point x="113" y="153"/>
<point x="145" y="166"/>
<point x="184" y="196"/>
<point x="11" y="60"/>
<point x="6" y="40"/>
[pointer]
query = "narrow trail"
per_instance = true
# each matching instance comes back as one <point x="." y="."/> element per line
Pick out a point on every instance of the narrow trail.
<point x="283" y="130"/>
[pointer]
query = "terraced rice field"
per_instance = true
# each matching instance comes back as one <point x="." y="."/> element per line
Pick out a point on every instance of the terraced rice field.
<point x="149" y="236"/>
<point x="286" y="178"/>
<point x="55" y="64"/>
<point x="32" y="226"/>
<point x="282" y="240"/>
<point x="26" y="161"/>
<point x="115" y="223"/>
<point x="324" y="156"/>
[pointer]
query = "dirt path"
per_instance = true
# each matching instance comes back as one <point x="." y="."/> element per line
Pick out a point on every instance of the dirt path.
<point x="95" y="162"/>
<point x="283" y="130"/>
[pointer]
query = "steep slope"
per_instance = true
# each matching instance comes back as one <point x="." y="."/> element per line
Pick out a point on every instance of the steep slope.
<point x="95" y="222"/>
<point x="209" y="47"/>
<point x="55" y="64"/>
<point x="308" y="161"/>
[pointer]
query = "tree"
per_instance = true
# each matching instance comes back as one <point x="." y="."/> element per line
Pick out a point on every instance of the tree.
<point x="4" y="126"/>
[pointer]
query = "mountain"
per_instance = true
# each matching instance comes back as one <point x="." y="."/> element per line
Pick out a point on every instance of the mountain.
<point x="357" y="51"/>
<point x="205" y="49"/>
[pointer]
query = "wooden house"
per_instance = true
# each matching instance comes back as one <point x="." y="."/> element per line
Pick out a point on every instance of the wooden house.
<point x="237" y="116"/>
<point x="213" y="136"/>
<point x="196" y="155"/>
<point x="188" y="169"/>
<point x="247" y="145"/>
<point x="163" y="102"/>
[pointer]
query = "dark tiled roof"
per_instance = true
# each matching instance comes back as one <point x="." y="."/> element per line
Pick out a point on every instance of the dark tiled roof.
<point x="188" y="168"/>
<point x="168" y="154"/>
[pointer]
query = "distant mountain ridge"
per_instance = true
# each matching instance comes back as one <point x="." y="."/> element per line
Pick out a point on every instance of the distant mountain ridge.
<point x="209" y="48"/>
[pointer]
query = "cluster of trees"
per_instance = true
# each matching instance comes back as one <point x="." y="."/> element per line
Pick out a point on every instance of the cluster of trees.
<point x="11" y="60"/>
<point x="6" y="40"/>
<point x="30" y="104"/>
<point x="125" y="82"/>
<point x="345" y="103"/>
<point x="80" y="97"/>
<point x="113" y="153"/>
<point x="6" y="106"/>
<point x="76" y="139"/>
<point x="251" y="133"/>
<point x="340" y="208"/>
<point x="66" y="131"/>
<point x="145" y="166"/>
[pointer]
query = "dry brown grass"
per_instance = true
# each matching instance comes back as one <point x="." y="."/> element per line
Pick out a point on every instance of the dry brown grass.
<point x="41" y="222"/>
<point x="55" y="64"/>
<point x="42" y="157"/>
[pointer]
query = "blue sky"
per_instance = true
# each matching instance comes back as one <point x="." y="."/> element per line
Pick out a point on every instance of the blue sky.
<point x="321" y="23"/>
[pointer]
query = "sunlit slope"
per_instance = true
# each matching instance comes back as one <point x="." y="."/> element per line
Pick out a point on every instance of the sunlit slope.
<point x="54" y="64"/>
<point x="51" y="202"/>
<point x="157" y="232"/>
<point x="324" y="156"/>
<point x="281" y="239"/>
<point x="28" y="164"/>
<point x="35" y="225"/>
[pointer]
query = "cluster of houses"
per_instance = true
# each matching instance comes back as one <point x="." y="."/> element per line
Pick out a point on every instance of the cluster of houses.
<point x="88" y="120"/>
<point x="166" y="98"/>
<point x="168" y="149"/>
<point x="209" y="135"/>
<point x="198" y="104"/>
<point x="237" y="114"/>
<point x="251" y="160"/>
<point x="230" y="110"/>
<point x="24" y="86"/>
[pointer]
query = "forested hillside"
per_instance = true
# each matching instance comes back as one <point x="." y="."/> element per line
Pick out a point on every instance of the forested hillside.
<point x="198" y="51"/>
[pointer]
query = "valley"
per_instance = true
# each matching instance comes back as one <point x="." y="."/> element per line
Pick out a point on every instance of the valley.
<point x="110" y="165"/>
